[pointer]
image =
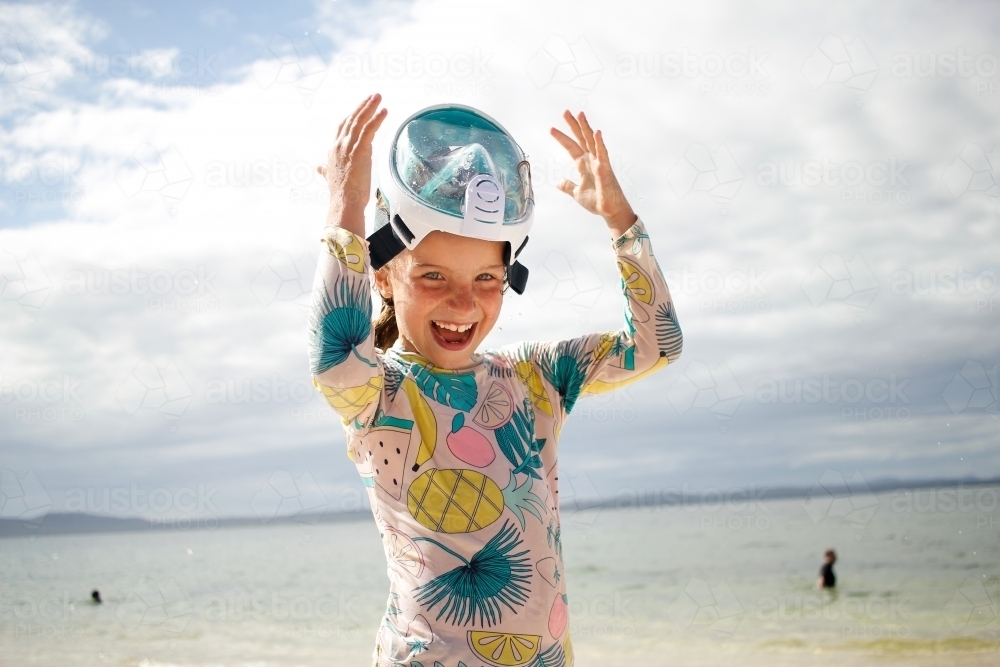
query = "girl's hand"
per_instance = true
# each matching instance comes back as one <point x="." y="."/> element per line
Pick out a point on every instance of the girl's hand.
<point x="598" y="190"/>
<point x="348" y="171"/>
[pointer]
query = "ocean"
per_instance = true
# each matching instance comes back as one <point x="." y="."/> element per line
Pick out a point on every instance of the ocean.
<point x="714" y="581"/>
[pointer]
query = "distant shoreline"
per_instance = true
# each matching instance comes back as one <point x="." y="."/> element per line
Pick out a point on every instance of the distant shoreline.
<point x="79" y="523"/>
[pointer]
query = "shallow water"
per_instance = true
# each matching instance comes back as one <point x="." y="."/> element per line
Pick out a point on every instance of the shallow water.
<point x="702" y="584"/>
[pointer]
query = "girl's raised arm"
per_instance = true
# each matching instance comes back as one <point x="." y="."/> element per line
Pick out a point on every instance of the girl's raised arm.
<point x="650" y="337"/>
<point x="342" y="355"/>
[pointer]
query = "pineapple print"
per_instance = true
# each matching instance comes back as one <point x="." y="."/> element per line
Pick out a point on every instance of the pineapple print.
<point x="464" y="501"/>
<point x="454" y="501"/>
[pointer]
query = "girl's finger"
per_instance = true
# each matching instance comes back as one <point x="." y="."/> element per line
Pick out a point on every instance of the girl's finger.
<point x="571" y="146"/>
<point x="363" y="117"/>
<point x="321" y="170"/>
<point x="575" y="126"/>
<point x="350" y="117"/>
<point x="368" y="131"/>
<point x="566" y="186"/>
<point x="588" y="134"/>
<point x="602" y="150"/>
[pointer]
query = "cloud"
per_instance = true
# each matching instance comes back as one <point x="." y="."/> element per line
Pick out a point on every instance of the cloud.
<point x="174" y="225"/>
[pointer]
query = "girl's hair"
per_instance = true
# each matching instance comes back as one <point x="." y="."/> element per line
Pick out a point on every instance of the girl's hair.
<point x="386" y="330"/>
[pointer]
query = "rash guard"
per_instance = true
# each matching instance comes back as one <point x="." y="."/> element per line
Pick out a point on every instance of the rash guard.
<point x="461" y="466"/>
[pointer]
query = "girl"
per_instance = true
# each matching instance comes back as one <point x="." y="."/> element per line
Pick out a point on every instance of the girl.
<point x="458" y="448"/>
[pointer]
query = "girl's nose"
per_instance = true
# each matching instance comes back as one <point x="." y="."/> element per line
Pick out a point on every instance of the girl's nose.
<point x="461" y="301"/>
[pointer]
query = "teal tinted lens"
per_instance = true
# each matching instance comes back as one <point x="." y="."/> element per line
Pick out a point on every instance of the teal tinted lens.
<point x="440" y="151"/>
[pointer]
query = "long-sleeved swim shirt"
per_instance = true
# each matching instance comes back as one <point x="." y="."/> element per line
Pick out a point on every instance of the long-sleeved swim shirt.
<point x="460" y="465"/>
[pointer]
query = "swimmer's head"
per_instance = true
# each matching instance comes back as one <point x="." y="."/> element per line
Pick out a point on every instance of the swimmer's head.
<point x="831" y="556"/>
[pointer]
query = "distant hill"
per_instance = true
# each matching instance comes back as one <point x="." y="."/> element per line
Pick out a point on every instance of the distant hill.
<point x="79" y="523"/>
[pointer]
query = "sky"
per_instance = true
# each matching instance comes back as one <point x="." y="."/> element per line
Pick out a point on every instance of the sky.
<point x="819" y="182"/>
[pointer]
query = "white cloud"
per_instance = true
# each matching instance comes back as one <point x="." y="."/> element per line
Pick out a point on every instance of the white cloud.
<point x="183" y="181"/>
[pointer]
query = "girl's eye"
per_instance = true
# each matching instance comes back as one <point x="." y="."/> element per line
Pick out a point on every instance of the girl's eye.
<point x="486" y="276"/>
<point x="433" y="275"/>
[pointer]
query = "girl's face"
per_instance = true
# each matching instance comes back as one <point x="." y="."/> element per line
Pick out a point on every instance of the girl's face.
<point x="447" y="294"/>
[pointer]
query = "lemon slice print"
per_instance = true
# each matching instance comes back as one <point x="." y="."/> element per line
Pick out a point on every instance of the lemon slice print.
<point x="636" y="281"/>
<point x="404" y="551"/>
<point x="504" y="649"/>
<point x="497" y="408"/>
<point x="348" y="249"/>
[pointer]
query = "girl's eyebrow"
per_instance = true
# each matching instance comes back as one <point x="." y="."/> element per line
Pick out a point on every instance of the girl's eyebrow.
<point x="425" y="265"/>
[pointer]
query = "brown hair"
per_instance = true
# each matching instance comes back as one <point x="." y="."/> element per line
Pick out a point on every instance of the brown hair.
<point x="386" y="331"/>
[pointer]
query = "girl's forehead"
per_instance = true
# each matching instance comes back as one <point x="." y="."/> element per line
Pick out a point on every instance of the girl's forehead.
<point x="450" y="250"/>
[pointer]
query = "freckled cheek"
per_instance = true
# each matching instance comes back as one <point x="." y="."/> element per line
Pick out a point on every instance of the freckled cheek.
<point x="490" y="301"/>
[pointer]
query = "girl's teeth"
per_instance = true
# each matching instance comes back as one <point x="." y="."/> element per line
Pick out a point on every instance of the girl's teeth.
<point x="454" y="327"/>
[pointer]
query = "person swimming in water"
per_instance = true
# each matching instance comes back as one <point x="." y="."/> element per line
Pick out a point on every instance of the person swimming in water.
<point x="96" y="596"/>
<point x="827" y="579"/>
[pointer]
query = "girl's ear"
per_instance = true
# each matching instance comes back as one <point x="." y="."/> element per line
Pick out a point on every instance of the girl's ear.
<point x="382" y="282"/>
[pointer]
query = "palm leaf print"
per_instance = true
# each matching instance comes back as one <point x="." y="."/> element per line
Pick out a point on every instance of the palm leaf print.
<point x="517" y="441"/>
<point x="566" y="368"/>
<point x="337" y="326"/>
<point x="395" y="371"/>
<point x="553" y="656"/>
<point x="668" y="333"/>
<point x="474" y="592"/>
<point x="451" y="388"/>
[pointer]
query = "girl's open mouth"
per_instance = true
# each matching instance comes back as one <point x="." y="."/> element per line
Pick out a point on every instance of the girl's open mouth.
<point x="453" y="335"/>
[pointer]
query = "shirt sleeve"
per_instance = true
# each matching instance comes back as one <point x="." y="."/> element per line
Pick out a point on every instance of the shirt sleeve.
<point x="342" y="356"/>
<point x="601" y="362"/>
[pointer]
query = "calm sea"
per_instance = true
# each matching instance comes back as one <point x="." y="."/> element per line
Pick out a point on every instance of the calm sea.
<point x="709" y="583"/>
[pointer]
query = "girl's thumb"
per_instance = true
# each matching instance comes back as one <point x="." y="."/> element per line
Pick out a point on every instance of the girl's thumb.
<point x="566" y="186"/>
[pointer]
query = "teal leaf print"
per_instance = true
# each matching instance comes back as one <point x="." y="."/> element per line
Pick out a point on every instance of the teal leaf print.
<point x="337" y="326"/>
<point x="516" y="439"/>
<point x="456" y="390"/>
<point x="553" y="656"/>
<point x="474" y="591"/>
<point x="518" y="498"/>
<point x="395" y="371"/>
<point x="565" y="368"/>
<point x="668" y="333"/>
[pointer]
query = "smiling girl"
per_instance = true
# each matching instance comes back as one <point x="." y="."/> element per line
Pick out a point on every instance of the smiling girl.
<point x="458" y="447"/>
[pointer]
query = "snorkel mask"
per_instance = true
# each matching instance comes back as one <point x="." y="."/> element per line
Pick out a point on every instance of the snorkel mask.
<point x="452" y="168"/>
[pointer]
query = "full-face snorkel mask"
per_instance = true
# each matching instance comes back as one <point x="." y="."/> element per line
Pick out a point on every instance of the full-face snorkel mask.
<point x="454" y="169"/>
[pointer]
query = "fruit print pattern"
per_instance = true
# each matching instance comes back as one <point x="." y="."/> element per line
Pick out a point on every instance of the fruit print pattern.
<point x="461" y="465"/>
